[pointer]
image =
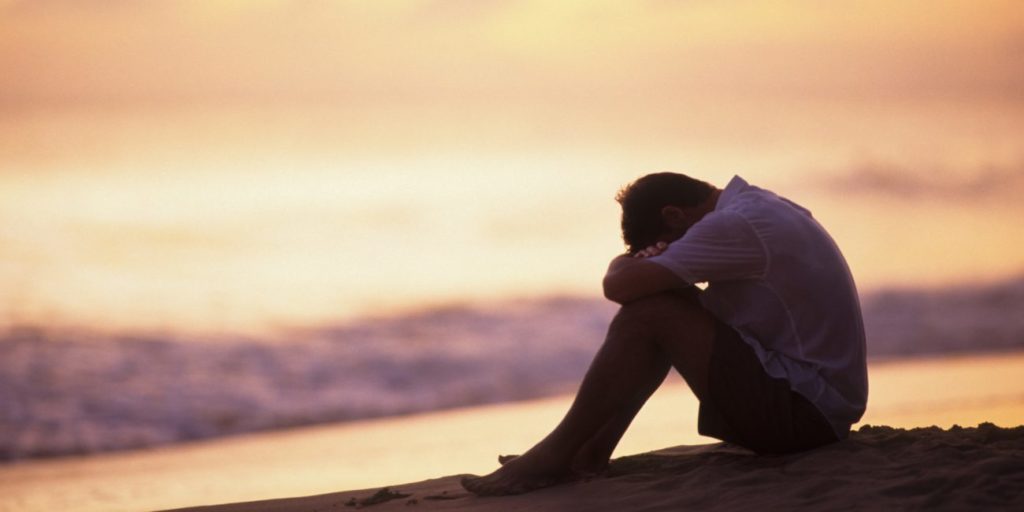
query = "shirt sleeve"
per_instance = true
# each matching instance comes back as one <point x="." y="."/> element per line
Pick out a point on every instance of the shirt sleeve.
<point x="720" y="247"/>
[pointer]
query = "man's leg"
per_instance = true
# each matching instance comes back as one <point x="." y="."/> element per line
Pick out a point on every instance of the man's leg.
<point x="645" y="339"/>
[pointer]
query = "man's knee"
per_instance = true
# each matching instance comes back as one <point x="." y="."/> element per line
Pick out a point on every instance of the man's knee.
<point x="661" y="306"/>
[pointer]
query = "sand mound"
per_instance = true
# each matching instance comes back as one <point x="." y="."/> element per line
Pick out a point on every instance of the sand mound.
<point x="877" y="468"/>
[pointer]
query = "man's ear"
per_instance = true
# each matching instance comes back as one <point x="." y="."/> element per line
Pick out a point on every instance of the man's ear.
<point x="674" y="217"/>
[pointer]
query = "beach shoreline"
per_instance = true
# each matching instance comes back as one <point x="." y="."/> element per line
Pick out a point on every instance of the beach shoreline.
<point x="372" y="454"/>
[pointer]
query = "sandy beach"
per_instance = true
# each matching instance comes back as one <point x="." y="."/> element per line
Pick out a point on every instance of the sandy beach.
<point x="877" y="468"/>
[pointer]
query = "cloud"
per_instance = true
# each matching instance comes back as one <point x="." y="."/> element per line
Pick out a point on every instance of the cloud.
<point x="895" y="180"/>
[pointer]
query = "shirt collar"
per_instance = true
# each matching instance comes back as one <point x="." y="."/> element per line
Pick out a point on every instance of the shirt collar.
<point x="735" y="186"/>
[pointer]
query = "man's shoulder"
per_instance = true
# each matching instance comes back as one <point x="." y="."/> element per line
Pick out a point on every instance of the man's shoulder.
<point x="731" y="226"/>
<point x="755" y="204"/>
<point x="745" y="206"/>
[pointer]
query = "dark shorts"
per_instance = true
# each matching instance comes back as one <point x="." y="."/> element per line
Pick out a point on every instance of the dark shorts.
<point x="748" y="407"/>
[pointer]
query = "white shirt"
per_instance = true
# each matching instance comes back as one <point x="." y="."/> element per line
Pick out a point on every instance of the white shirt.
<point x="778" y="278"/>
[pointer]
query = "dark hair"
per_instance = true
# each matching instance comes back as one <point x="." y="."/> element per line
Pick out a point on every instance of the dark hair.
<point x="643" y="200"/>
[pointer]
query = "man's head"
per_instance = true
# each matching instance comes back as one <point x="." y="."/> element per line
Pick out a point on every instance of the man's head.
<point x="660" y="207"/>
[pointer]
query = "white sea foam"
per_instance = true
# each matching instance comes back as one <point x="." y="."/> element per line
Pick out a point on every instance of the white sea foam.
<point x="64" y="393"/>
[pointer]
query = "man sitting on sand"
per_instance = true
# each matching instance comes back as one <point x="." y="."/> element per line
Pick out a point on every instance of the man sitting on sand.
<point x="773" y="347"/>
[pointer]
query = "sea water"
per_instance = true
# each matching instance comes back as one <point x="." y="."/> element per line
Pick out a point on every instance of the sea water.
<point x="370" y="454"/>
<point x="68" y="393"/>
<point x="180" y="272"/>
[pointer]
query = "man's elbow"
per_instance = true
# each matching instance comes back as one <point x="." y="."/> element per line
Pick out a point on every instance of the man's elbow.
<point x="615" y="291"/>
<point x="612" y="296"/>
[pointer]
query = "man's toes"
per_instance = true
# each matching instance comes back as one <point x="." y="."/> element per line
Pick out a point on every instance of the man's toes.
<point x="484" y="486"/>
<point x="470" y="483"/>
<point x="477" y="485"/>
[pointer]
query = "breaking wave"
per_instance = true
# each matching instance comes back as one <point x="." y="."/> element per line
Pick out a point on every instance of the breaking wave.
<point x="73" y="393"/>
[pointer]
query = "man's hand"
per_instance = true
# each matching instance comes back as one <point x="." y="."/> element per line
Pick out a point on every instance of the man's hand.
<point x="651" y="250"/>
<point x="630" y="277"/>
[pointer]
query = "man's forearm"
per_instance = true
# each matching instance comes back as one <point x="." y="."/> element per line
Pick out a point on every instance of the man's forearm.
<point x="630" y="278"/>
<point x="619" y="262"/>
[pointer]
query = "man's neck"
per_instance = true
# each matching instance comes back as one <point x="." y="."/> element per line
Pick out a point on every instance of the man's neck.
<point x="712" y="201"/>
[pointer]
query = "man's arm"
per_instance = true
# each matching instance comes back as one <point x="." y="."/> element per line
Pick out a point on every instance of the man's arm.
<point x="630" y="278"/>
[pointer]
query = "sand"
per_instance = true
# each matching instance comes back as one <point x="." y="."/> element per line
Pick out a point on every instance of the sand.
<point x="877" y="468"/>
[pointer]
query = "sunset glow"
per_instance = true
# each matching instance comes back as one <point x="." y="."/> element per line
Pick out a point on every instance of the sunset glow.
<point x="239" y="165"/>
<point x="252" y="249"/>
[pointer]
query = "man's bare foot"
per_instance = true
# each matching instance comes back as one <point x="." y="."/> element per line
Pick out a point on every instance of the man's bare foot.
<point x="517" y="475"/>
<point x="579" y="468"/>
<point x="587" y="465"/>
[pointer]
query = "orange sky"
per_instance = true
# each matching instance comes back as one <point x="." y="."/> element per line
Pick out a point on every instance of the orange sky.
<point x="388" y="50"/>
<point x="278" y="125"/>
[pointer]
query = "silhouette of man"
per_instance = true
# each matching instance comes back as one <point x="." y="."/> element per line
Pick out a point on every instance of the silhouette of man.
<point x="773" y="347"/>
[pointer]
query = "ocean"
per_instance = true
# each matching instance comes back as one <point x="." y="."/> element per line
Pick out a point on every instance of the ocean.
<point x="73" y="393"/>
<point x="396" y="451"/>
<point x="175" y="273"/>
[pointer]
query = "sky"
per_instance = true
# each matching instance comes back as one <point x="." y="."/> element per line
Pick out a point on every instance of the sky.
<point x="56" y="51"/>
<point x="194" y="161"/>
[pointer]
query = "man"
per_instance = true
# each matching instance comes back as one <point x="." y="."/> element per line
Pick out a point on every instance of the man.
<point x="773" y="348"/>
